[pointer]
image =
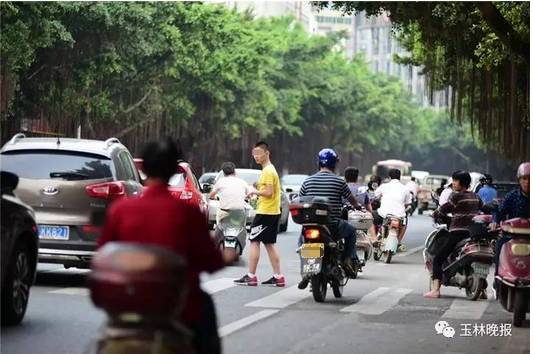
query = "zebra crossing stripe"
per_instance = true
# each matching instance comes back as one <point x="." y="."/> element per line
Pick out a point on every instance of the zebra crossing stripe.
<point x="71" y="291"/>
<point x="244" y="322"/>
<point x="216" y="285"/>
<point x="281" y="299"/>
<point x="377" y="301"/>
<point x="466" y="309"/>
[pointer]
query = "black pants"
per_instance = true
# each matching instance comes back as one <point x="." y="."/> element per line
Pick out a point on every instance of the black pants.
<point x="206" y="338"/>
<point x="454" y="238"/>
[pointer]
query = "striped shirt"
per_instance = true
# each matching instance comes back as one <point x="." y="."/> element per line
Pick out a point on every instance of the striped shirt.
<point x="463" y="206"/>
<point x="326" y="184"/>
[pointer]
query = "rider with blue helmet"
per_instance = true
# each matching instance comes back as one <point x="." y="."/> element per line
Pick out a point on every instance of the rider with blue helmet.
<point x="325" y="183"/>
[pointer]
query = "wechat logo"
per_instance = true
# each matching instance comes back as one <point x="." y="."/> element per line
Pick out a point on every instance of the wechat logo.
<point x="444" y="328"/>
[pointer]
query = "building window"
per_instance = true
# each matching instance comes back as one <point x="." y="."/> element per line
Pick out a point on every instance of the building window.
<point x="375" y="40"/>
<point x="388" y="39"/>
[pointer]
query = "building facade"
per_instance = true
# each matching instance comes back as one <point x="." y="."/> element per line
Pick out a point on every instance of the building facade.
<point x="374" y="39"/>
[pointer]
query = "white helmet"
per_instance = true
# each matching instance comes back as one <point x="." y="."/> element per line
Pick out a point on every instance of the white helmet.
<point x="523" y="170"/>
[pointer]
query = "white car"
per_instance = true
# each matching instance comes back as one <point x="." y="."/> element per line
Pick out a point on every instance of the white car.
<point x="292" y="184"/>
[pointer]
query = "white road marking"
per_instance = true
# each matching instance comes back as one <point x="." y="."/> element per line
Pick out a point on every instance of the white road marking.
<point x="244" y="322"/>
<point x="466" y="309"/>
<point x="71" y="291"/>
<point x="281" y="299"/>
<point x="216" y="285"/>
<point x="411" y="251"/>
<point x="378" y="301"/>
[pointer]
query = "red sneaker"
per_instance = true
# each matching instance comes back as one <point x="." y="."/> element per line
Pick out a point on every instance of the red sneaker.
<point x="280" y="282"/>
<point x="247" y="280"/>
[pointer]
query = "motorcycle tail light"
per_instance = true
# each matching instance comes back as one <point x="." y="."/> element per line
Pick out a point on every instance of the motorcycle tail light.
<point x="520" y="249"/>
<point x="312" y="234"/>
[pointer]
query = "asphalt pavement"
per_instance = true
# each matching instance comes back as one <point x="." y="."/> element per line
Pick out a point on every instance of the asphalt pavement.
<point x="383" y="311"/>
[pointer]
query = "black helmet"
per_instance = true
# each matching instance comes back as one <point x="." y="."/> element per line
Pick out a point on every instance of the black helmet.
<point x="463" y="177"/>
<point x="488" y="178"/>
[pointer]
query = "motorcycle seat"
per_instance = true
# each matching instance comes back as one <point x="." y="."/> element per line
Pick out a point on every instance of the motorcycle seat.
<point x="459" y="246"/>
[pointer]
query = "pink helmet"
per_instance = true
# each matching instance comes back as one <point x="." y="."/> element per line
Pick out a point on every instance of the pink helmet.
<point x="523" y="170"/>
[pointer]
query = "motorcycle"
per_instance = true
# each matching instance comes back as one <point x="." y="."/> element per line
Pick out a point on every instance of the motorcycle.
<point x="512" y="279"/>
<point x="362" y="221"/>
<point x="387" y="243"/>
<point x="123" y="281"/>
<point x="468" y="265"/>
<point x="231" y="231"/>
<point x="414" y="204"/>
<point x="320" y="253"/>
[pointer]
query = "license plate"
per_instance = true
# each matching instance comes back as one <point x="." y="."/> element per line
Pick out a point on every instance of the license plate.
<point x="49" y="232"/>
<point x="312" y="250"/>
<point x="481" y="268"/>
<point x="230" y="243"/>
<point x="311" y="268"/>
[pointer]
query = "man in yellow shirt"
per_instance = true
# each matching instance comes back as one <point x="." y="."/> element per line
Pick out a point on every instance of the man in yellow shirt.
<point x="265" y="225"/>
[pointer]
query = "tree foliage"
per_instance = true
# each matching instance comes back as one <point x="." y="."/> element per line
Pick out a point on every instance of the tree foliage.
<point x="207" y="75"/>
<point x="480" y="50"/>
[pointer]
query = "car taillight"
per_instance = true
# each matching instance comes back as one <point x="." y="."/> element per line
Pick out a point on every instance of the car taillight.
<point x="186" y="195"/>
<point x="110" y="190"/>
<point x="294" y="212"/>
<point x="312" y="234"/>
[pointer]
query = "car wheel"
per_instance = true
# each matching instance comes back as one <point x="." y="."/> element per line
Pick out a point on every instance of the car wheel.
<point x="16" y="290"/>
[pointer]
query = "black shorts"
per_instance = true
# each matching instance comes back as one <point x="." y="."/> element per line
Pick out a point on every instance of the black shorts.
<point x="264" y="228"/>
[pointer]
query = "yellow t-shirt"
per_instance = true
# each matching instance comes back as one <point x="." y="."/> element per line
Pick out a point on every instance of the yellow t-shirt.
<point x="269" y="205"/>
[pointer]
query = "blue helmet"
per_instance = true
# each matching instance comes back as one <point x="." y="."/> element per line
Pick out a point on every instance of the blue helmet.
<point x="327" y="158"/>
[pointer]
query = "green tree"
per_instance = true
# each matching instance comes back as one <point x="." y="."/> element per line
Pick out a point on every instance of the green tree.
<point x="480" y="50"/>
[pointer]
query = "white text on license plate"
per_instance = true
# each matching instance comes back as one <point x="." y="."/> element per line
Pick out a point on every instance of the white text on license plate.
<point x="50" y="232"/>
<point x="481" y="268"/>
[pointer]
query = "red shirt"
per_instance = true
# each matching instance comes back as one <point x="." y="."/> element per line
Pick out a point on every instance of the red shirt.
<point x="158" y="218"/>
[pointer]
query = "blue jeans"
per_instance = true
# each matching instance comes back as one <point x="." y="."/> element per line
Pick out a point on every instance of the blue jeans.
<point x="342" y="229"/>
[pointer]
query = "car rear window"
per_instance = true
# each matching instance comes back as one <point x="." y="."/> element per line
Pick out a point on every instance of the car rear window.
<point x="48" y="164"/>
<point x="178" y="180"/>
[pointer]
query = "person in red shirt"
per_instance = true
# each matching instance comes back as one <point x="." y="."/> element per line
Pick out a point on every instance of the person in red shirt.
<point x="159" y="219"/>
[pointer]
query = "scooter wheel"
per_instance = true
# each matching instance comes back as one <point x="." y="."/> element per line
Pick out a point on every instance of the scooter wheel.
<point x="474" y="288"/>
<point x="520" y="307"/>
<point x="389" y="257"/>
<point x="377" y="255"/>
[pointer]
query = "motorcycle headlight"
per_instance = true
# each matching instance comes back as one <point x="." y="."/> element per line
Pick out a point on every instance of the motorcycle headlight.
<point x="520" y="249"/>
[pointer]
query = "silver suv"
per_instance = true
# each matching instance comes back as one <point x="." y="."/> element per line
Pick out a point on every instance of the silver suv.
<point x="67" y="182"/>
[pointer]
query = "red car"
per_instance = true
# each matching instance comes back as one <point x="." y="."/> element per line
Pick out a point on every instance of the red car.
<point x="183" y="185"/>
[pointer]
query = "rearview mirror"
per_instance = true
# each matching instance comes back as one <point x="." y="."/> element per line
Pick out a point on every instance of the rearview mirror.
<point x="9" y="182"/>
<point x="206" y="188"/>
